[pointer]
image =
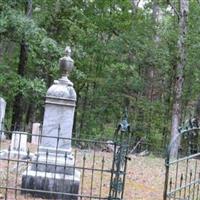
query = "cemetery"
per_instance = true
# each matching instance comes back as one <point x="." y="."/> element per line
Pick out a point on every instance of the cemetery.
<point x="111" y="115"/>
<point x="49" y="168"/>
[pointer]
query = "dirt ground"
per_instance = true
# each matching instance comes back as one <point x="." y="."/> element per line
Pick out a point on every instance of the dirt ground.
<point x="144" y="179"/>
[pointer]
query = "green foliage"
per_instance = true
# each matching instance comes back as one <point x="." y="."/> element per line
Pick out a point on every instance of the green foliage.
<point x="118" y="62"/>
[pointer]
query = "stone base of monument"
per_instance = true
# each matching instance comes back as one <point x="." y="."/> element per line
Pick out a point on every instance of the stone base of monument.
<point x="15" y="154"/>
<point x="51" y="176"/>
<point x="51" y="185"/>
<point x="53" y="163"/>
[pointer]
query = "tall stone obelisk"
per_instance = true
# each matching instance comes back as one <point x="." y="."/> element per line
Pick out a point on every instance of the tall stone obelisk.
<point x="59" y="110"/>
<point x="53" y="165"/>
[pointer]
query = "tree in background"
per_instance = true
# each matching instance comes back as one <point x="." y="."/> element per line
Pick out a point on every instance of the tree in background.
<point x="23" y="60"/>
<point x="179" y="70"/>
<point x="124" y="57"/>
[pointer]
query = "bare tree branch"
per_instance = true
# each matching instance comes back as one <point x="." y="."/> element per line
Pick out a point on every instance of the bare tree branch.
<point x="174" y="8"/>
<point x="29" y="8"/>
<point x="135" y="4"/>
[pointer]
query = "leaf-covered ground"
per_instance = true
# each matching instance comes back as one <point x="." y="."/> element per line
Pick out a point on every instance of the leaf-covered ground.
<point x="144" y="179"/>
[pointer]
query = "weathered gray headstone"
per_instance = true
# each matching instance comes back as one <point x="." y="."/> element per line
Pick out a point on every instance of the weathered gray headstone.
<point x="35" y="133"/>
<point x="18" y="146"/>
<point x="19" y="142"/>
<point x="2" y="115"/>
<point x="56" y="136"/>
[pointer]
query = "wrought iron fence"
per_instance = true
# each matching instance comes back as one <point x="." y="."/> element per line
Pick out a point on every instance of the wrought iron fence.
<point x="101" y="174"/>
<point x="182" y="178"/>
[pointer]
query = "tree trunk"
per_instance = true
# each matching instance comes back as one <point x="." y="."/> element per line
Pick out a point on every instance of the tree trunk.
<point x="18" y="104"/>
<point x="176" y="112"/>
<point x="167" y="102"/>
<point x="135" y="4"/>
<point x="84" y="105"/>
<point x="17" y="116"/>
<point x="75" y="132"/>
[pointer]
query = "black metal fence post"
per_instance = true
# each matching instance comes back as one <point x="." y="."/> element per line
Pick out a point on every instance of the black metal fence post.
<point x="120" y="158"/>
<point x="166" y="177"/>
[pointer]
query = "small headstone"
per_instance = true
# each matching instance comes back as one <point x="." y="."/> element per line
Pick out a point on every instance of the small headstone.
<point x="18" y="148"/>
<point x="19" y="142"/>
<point x="2" y="115"/>
<point x="35" y="133"/>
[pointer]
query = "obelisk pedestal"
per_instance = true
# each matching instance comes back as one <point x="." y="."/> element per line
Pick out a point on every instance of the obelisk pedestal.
<point x="53" y="170"/>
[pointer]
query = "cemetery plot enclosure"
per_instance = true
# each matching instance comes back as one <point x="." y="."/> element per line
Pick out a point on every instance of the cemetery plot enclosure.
<point x="102" y="173"/>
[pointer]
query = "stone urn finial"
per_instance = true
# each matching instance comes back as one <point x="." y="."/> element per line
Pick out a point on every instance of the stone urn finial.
<point x="68" y="51"/>
<point x="66" y="63"/>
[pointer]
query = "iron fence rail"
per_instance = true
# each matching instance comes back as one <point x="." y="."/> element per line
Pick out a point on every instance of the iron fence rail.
<point x="97" y="169"/>
<point x="184" y="158"/>
<point x="182" y="176"/>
